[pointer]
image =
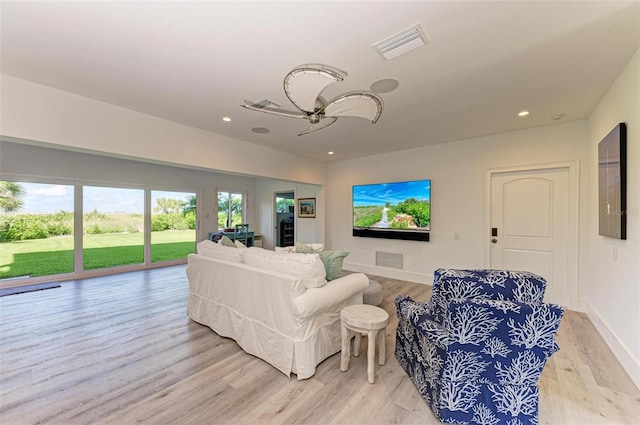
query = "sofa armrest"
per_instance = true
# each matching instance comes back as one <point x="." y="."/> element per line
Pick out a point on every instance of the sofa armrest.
<point x="314" y="300"/>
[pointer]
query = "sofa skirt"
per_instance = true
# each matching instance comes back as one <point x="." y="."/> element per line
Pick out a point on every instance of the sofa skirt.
<point x="287" y="354"/>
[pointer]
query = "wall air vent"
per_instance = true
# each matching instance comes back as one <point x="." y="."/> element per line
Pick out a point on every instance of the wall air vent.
<point x="402" y="42"/>
<point x="390" y="259"/>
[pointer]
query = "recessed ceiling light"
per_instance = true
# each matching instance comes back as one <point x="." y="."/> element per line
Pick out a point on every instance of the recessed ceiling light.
<point x="226" y="119"/>
<point x="260" y="130"/>
<point x="330" y="153"/>
<point x="385" y="85"/>
<point x="523" y="113"/>
<point x="557" y="117"/>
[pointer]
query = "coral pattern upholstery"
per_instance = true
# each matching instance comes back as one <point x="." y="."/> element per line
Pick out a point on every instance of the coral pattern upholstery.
<point x="481" y="364"/>
<point x="449" y="284"/>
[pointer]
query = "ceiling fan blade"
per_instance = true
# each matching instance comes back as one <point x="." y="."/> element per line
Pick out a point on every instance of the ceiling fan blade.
<point x="361" y="104"/>
<point x="275" y="111"/>
<point x="304" y="84"/>
<point x="322" y="124"/>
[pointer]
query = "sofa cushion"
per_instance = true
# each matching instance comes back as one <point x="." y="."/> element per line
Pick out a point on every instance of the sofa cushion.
<point x="285" y="249"/>
<point x="226" y="242"/>
<point x="239" y="244"/>
<point x="299" y="247"/>
<point x="216" y="250"/>
<point x="332" y="261"/>
<point x="312" y="248"/>
<point x="308" y="266"/>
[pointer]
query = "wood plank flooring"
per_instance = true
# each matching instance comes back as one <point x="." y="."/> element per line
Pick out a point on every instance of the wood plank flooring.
<point x="120" y="349"/>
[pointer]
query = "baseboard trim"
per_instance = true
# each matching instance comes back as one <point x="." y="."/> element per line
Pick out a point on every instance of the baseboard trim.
<point x="619" y="349"/>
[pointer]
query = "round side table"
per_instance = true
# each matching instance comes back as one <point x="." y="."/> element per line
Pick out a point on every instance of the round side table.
<point x="363" y="319"/>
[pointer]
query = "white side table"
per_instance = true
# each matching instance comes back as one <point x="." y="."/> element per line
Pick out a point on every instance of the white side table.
<point x="363" y="319"/>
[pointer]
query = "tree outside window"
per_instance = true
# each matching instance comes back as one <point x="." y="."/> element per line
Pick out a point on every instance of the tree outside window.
<point x="230" y="209"/>
<point x="283" y="204"/>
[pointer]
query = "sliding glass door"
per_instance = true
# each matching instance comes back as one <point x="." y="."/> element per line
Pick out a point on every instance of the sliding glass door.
<point x="36" y="229"/>
<point x="113" y="227"/>
<point x="173" y="225"/>
<point x="116" y="227"/>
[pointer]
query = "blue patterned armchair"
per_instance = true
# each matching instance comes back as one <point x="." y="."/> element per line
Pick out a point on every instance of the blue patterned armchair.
<point x="449" y="284"/>
<point x="478" y="360"/>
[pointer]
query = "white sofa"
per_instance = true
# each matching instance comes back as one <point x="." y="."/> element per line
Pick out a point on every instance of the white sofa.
<point x="276" y="306"/>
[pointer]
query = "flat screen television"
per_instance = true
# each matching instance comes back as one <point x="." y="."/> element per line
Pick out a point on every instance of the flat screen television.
<point x="394" y="210"/>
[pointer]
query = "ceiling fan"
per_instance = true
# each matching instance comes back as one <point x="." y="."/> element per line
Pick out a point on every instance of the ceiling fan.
<point x="303" y="86"/>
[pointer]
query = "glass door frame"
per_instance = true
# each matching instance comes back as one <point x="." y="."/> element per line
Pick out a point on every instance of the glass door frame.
<point x="78" y="213"/>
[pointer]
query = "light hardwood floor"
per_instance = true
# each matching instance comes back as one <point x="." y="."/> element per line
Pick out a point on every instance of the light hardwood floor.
<point x="121" y="350"/>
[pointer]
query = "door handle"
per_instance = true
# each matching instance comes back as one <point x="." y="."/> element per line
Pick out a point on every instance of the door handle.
<point x="494" y="240"/>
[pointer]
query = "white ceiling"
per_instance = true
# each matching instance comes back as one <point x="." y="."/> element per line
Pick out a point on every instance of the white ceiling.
<point x="195" y="62"/>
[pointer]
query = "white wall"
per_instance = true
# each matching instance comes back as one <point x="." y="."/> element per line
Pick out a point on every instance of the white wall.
<point x="307" y="230"/>
<point x="456" y="171"/>
<point x="42" y="114"/>
<point x="612" y="269"/>
<point x="609" y="270"/>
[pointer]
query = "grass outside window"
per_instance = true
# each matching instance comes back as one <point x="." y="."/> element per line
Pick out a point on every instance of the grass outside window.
<point x="42" y="257"/>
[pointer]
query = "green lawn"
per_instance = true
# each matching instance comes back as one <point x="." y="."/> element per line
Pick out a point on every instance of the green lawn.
<point x="42" y="257"/>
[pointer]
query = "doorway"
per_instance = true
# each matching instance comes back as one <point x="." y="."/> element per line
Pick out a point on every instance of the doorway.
<point x="284" y="218"/>
<point x="533" y="226"/>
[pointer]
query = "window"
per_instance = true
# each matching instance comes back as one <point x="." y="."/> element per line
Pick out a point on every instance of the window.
<point x="39" y="236"/>
<point x="36" y="229"/>
<point x="230" y="209"/>
<point x="284" y="205"/>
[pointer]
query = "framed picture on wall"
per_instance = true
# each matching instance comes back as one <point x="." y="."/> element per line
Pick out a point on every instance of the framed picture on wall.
<point x="306" y="207"/>
<point x="612" y="182"/>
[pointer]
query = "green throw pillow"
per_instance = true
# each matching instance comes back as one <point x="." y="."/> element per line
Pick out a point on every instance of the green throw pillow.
<point x="332" y="262"/>
<point x="226" y="242"/>
<point x="306" y="249"/>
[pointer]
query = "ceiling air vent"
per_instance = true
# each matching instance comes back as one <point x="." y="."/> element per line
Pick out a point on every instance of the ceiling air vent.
<point x="266" y="103"/>
<point x="402" y="42"/>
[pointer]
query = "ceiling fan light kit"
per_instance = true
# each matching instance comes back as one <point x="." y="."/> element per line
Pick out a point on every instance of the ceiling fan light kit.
<point x="303" y="86"/>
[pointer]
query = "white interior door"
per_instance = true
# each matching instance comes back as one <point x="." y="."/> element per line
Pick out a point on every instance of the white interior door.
<point x="530" y="226"/>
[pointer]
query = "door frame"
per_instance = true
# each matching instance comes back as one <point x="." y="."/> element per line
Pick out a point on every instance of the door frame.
<point x="573" y="168"/>
<point x="274" y="220"/>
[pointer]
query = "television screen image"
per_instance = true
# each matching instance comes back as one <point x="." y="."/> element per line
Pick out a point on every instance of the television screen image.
<point x="392" y="207"/>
